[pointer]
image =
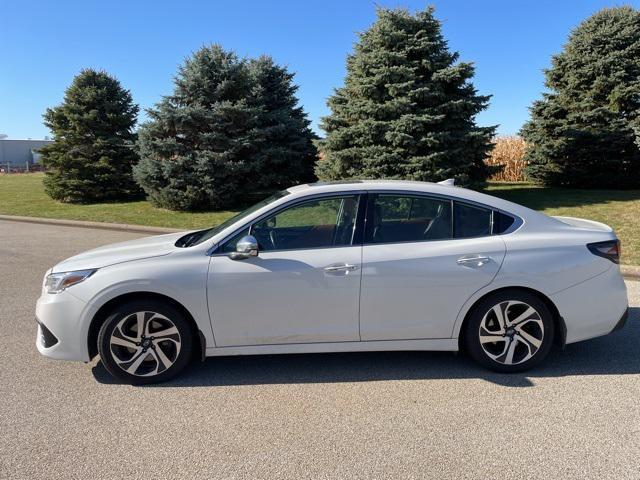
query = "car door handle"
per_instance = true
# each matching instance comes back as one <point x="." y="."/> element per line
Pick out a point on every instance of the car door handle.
<point x="473" y="261"/>
<point x="340" y="268"/>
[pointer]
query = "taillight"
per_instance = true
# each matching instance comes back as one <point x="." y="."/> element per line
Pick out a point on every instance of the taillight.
<point x="609" y="250"/>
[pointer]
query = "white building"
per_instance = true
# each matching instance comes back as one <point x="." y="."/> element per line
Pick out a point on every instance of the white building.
<point x="20" y="154"/>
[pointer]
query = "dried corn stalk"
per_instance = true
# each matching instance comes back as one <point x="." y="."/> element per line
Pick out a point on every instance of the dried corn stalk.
<point x="508" y="151"/>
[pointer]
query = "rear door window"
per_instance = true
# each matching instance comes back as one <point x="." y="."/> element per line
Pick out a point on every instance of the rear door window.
<point x="471" y="221"/>
<point x="407" y="218"/>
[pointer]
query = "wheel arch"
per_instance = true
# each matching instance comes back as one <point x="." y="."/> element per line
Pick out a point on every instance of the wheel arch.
<point x="103" y="312"/>
<point x="558" y="321"/>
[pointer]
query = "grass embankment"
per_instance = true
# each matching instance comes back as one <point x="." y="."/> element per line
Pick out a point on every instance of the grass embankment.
<point x="24" y="195"/>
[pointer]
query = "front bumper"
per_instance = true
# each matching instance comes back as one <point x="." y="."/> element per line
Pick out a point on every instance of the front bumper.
<point x="60" y="333"/>
<point x="45" y="337"/>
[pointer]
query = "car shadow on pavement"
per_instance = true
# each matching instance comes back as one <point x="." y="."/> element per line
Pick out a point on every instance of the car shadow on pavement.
<point x="614" y="354"/>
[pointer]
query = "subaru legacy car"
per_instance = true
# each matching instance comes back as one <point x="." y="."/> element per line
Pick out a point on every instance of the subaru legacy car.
<point x="340" y="267"/>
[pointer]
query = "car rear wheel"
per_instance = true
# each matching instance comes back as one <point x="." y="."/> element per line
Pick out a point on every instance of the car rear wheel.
<point x="510" y="331"/>
<point x="145" y="342"/>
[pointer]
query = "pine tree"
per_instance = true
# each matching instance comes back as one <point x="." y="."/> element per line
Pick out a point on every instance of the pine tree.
<point x="285" y="154"/>
<point x="581" y="133"/>
<point x="92" y="154"/>
<point x="195" y="149"/>
<point x="229" y="123"/>
<point x="407" y="108"/>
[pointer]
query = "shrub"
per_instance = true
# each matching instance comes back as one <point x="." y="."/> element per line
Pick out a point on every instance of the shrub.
<point x="92" y="154"/>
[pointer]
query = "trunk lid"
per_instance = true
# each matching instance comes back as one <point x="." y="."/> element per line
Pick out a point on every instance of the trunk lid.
<point x="584" y="224"/>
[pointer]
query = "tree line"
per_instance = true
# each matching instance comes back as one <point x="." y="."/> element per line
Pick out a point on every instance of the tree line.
<point x="407" y="110"/>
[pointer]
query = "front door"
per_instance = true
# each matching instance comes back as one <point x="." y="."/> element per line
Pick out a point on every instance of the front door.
<point x="304" y="285"/>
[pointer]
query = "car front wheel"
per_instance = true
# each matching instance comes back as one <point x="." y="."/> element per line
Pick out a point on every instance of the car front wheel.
<point x="510" y="331"/>
<point x="145" y="342"/>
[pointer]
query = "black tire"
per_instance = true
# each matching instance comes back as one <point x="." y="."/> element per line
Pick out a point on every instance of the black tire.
<point x="165" y="355"/>
<point x="531" y="336"/>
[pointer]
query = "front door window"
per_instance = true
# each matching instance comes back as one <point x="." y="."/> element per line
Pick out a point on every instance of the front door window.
<point x="319" y="223"/>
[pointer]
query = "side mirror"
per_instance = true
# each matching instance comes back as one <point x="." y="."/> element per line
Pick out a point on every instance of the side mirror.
<point x="245" y="248"/>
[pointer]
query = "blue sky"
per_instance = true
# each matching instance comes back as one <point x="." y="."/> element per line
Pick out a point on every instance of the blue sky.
<point x="44" y="44"/>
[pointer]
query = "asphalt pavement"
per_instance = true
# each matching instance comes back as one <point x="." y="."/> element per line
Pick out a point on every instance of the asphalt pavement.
<point x="358" y="415"/>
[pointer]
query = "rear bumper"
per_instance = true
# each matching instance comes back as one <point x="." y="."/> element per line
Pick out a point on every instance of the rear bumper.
<point x="594" y="307"/>
<point x="622" y="322"/>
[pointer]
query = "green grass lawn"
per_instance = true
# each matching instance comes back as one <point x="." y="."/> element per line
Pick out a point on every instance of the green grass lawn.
<point x="24" y="195"/>
<point x="618" y="208"/>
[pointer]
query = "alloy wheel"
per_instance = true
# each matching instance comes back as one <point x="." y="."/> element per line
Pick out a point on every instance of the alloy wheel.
<point x="511" y="332"/>
<point x="145" y="343"/>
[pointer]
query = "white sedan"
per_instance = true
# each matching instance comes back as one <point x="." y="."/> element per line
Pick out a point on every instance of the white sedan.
<point x="336" y="267"/>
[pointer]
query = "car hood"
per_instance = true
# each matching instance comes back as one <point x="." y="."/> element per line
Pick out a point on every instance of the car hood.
<point x="147" y="247"/>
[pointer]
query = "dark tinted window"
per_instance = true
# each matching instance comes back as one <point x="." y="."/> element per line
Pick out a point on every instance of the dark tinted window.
<point x="501" y="222"/>
<point x="471" y="221"/>
<point x="405" y="218"/>
<point x="326" y="222"/>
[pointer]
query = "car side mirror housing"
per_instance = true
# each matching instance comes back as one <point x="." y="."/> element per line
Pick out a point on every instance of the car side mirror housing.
<point x="246" y="247"/>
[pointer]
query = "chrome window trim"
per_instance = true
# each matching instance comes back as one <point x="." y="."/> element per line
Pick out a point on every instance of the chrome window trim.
<point x="517" y="223"/>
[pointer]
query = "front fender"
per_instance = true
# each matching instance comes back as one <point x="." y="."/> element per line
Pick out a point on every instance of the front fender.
<point x="183" y="279"/>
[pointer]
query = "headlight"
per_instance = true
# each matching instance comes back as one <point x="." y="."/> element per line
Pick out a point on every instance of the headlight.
<point x="57" y="282"/>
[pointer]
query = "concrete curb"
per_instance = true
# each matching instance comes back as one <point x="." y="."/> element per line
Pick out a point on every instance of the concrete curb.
<point x="631" y="272"/>
<point x="121" y="227"/>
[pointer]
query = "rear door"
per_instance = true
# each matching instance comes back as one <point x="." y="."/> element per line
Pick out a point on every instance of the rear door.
<point x="423" y="257"/>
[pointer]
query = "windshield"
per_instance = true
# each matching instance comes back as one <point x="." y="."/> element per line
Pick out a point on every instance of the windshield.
<point x="200" y="236"/>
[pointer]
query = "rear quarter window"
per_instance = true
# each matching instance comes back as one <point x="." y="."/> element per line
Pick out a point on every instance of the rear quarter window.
<point x="502" y="222"/>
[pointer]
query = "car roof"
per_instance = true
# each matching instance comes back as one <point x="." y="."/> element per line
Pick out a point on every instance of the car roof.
<point x="414" y="186"/>
<point x="359" y="185"/>
<point x="530" y="218"/>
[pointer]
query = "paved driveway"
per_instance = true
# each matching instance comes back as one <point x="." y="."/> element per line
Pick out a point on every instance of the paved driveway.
<point x="365" y="415"/>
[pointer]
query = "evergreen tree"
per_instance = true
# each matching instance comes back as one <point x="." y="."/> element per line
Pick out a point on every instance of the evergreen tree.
<point x="581" y="133"/>
<point x="407" y="108"/>
<point x="229" y="123"/>
<point x="92" y="154"/>
<point x="285" y="154"/>
<point x="195" y="149"/>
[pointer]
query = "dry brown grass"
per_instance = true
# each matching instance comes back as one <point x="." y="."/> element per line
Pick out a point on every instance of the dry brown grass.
<point x="509" y="152"/>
